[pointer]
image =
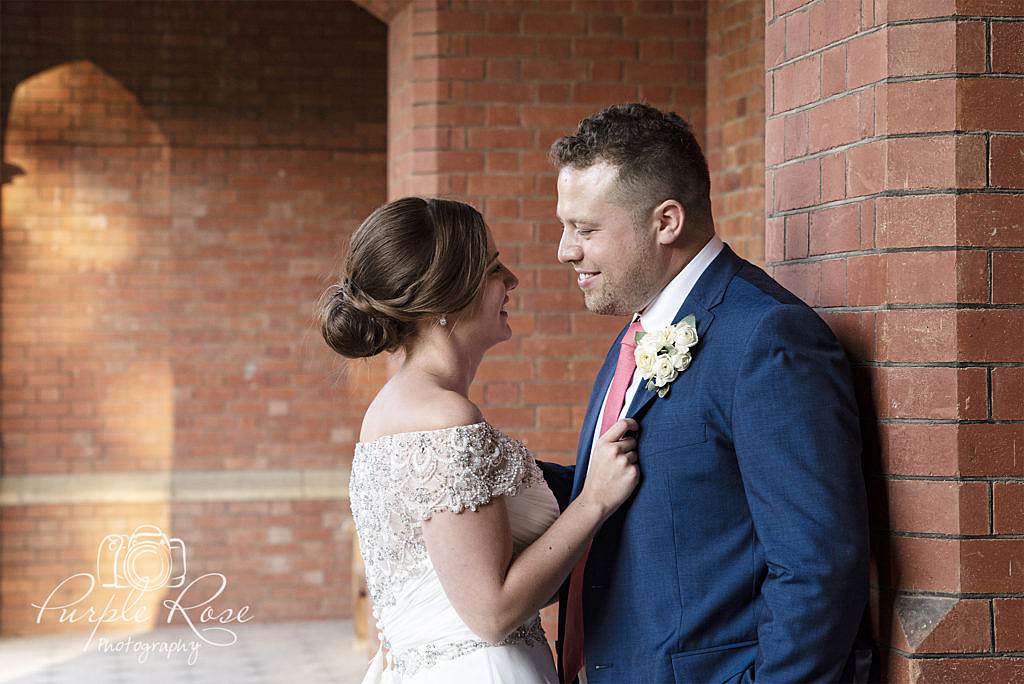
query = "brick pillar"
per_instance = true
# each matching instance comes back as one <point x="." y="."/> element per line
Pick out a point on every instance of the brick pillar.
<point x="735" y="128"/>
<point x="894" y="140"/>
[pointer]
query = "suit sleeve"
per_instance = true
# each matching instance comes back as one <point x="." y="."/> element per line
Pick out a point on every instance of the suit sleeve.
<point x="559" y="479"/>
<point x="797" y="438"/>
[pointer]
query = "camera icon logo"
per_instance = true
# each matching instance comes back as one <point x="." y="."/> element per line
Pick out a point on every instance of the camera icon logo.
<point x="146" y="560"/>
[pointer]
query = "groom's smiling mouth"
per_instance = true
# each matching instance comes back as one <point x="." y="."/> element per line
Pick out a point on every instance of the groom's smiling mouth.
<point x="586" y="278"/>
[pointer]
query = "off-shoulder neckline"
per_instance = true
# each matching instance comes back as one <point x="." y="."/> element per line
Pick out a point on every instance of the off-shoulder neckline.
<point x="423" y="432"/>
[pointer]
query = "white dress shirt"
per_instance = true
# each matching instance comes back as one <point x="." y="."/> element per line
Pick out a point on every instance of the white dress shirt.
<point x="659" y="314"/>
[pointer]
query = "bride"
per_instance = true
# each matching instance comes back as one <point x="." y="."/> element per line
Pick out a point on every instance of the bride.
<point x="459" y="533"/>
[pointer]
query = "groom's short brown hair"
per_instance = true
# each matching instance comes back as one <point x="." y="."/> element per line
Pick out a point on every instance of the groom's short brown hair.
<point x="656" y="153"/>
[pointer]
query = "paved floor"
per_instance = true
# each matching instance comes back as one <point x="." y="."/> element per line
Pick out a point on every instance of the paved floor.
<point x="279" y="653"/>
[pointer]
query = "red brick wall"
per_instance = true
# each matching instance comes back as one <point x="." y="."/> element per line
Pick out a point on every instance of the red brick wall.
<point x="735" y="123"/>
<point x="479" y="92"/>
<point x="283" y="559"/>
<point x="179" y="179"/>
<point x="891" y="139"/>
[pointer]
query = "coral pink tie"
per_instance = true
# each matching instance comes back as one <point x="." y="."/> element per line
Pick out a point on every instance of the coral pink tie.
<point x="572" y="652"/>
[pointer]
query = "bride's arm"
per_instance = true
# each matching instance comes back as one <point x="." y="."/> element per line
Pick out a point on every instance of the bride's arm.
<point x="472" y="551"/>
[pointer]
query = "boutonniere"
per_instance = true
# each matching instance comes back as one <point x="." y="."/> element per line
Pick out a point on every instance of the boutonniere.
<point x="661" y="355"/>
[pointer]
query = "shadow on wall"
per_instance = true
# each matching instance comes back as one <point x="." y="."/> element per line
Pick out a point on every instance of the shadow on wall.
<point x="876" y="627"/>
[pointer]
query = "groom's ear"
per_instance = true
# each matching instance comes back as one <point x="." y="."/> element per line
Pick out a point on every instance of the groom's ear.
<point x="668" y="218"/>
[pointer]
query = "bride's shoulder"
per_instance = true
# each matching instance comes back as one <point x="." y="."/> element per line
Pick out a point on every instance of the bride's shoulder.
<point x="435" y="452"/>
<point x="412" y="410"/>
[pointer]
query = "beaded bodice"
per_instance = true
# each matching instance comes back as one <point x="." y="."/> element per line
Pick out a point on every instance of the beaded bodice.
<point x="399" y="481"/>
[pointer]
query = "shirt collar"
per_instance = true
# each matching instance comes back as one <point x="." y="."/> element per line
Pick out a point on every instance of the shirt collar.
<point x="660" y="312"/>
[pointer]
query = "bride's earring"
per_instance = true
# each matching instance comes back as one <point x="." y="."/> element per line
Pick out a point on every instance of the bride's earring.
<point x="443" y="321"/>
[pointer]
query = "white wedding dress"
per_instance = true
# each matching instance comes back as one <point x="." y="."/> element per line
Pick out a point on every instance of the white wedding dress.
<point x="400" y="480"/>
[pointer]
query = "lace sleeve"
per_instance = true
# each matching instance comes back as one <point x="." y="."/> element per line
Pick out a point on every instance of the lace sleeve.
<point x="464" y="467"/>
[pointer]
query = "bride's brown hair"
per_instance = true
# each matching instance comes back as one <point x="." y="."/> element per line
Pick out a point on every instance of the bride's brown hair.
<point x="410" y="260"/>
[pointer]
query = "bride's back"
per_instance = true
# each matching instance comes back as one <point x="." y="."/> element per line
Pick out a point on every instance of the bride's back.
<point x="400" y="478"/>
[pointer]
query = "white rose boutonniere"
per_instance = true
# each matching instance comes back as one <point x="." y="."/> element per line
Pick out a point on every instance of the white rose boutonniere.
<point x="662" y="355"/>
<point x="645" y="359"/>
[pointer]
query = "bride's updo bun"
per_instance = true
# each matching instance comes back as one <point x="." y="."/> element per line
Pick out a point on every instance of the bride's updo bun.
<point x="412" y="259"/>
<point x="355" y="326"/>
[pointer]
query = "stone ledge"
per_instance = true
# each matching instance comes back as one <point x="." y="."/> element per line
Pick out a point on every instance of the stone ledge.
<point x="161" y="487"/>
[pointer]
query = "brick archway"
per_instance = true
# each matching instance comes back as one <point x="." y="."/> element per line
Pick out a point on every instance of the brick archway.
<point x="892" y="141"/>
<point x="179" y="182"/>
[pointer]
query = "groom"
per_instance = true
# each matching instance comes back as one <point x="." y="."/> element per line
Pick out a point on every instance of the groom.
<point x="743" y="554"/>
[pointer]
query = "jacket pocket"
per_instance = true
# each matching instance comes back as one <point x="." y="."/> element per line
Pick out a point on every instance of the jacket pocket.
<point x="675" y="436"/>
<point x="715" y="665"/>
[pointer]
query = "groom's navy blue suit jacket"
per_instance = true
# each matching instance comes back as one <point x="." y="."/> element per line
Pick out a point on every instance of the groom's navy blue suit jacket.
<point x="743" y="553"/>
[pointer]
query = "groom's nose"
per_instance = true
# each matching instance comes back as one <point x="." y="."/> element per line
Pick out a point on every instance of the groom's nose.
<point x="569" y="250"/>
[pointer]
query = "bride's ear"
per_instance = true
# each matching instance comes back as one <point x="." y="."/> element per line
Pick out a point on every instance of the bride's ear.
<point x="669" y="217"/>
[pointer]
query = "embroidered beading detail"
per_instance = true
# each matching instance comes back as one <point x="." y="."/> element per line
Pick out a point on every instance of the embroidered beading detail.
<point x="412" y="660"/>
<point x="401" y="480"/>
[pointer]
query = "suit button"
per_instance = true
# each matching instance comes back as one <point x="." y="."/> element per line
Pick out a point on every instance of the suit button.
<point x="597" y="586"/>
<point x="603" y="666"/>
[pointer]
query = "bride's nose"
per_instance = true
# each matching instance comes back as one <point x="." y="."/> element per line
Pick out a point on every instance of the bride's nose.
<point x="511" y="281"/>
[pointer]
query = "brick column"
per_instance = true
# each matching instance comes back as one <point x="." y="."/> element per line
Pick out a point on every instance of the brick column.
<point x="735" y="129"/>
<point x="894" y="140"/>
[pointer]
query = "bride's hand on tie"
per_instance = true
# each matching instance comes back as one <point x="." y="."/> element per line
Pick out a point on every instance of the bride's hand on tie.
<point x="613" y="473"/>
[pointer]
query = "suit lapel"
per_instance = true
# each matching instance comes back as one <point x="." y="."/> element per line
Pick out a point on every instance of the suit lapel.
<point x="706" y="294"/>
<point x="704" y="318"/>
<point x="604" y="378"/>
